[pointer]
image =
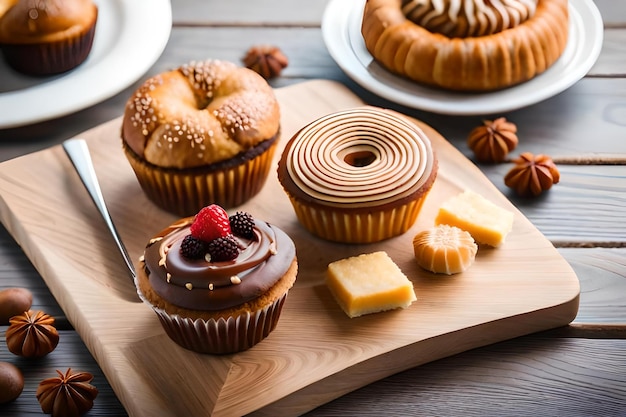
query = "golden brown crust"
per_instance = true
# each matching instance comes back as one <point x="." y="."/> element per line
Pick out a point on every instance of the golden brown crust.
<point x="469" y="64"/>
<point x="200" y="114"/>
<point x="28" y="22"/>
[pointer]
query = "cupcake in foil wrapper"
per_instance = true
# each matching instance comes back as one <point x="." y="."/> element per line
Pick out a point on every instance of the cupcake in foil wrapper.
<point x="185" y="191"/>
<point x="360" y="175"/>
<point x="222" y="335"/>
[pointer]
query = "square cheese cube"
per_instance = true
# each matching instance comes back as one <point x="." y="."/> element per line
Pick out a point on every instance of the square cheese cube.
<point x="369" y="283"/>
<point x="487" y="222"/>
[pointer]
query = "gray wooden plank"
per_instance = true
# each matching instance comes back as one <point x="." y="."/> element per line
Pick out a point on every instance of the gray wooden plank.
<point x="612" y="59"/>
<point x="215" y="12"/>
<point x="613" y="12"/>
<point x="533" y="375"/>
<point x="522" y="377"/>
<point x="602" y="276"/>
<point x="579" y="211"/>
<point x="242" y="12"/>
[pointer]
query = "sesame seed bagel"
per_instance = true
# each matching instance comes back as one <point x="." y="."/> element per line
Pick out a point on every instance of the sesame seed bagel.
<point x="199" y="114"/>
<point x="204" y="133"/>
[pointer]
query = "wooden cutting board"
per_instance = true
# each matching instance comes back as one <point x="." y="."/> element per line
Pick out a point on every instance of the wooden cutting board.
<point x="316" y="353"/>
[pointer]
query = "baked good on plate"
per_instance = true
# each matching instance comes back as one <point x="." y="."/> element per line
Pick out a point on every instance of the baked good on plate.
<point x="444" y="249"/>
<point x="218" y="283"/>
<point x="200" y="134"/>
<point x="369" y="283"/>
<point x="472" y="45"/>
<point x="359" y="175"/>
<point x="47" y="37"/>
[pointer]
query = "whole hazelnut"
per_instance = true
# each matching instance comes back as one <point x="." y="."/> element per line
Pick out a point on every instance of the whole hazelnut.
<point x="14" y="301"/>
<point x="11" y="382"/>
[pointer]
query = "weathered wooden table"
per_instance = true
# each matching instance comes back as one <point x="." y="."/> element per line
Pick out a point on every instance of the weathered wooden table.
<point x="575" y="370"/>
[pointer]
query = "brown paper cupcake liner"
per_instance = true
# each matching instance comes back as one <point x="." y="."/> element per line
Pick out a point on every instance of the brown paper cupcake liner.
<point x="357" y="227"/>
<point x="49" y="58"/>
<point x="222" y="336"/>
<point x="185" y="191"/>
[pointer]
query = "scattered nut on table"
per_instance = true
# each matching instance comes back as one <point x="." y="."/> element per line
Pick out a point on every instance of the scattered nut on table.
<point x="266" y="60"/>
<point x="69" y="394"/>
<point x="14" y="301"/>
<point x="493" y="141"/>
<point x="32" y="334"/>
<point x="11" y="382"/>
<point x="532" y="174"/>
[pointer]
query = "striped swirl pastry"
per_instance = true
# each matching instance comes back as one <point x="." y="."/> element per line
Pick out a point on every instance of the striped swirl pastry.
<point x="466" y="45"/>
<point x="359" y="175"/>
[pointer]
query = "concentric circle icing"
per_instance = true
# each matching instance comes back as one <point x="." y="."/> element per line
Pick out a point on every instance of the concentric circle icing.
<point x="463" y="18"/>
<point x="359" y="158"/>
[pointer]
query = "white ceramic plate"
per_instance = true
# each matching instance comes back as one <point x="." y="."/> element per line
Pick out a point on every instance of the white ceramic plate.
<point x="130" y="37"/>
<point x="341" y="28"/>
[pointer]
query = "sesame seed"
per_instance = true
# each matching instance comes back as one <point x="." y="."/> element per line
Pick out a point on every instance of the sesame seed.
<point x="189" y="286"/>
<point x="235" y="280"/>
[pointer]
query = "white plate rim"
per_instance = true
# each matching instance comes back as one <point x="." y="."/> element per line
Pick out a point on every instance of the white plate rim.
<point x="341" y="34"/>
<point x="134" y="46"/>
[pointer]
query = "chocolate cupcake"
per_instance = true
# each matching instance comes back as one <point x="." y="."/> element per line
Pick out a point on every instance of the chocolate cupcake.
<point x="47" y="37"/>
<point x="217" y="283"/>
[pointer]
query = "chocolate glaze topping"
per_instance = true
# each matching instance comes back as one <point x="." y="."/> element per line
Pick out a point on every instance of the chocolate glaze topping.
<point x="202" y="285"/>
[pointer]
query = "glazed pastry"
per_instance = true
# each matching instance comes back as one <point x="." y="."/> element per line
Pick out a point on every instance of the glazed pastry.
<point x="470" y="45"/>
<point x="487" y="222"/>
<point x="369" y="283"/>
<point x="218" y="283"/>
<point x="200" y="134"/>
<point x="359" y="175"/>
<point x="444" y="249"/>
<point x="47" y="37"/>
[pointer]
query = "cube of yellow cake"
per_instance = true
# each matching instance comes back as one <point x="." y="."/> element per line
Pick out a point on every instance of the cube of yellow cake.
<point x="369" y="283"/>
<point x="487" y="222"/>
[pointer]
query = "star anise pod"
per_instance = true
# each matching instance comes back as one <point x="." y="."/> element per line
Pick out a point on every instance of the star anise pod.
<point x="493" y="141"/>
<point x="267" y="60"/>
<point x="32" y="334"/>
<point x="532" y="174"/>
<point x="68" y="395"/>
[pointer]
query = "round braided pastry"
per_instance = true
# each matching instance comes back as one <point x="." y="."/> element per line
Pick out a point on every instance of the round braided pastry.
<point x="199" y="114"/>
<point x="466" y="45"/>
